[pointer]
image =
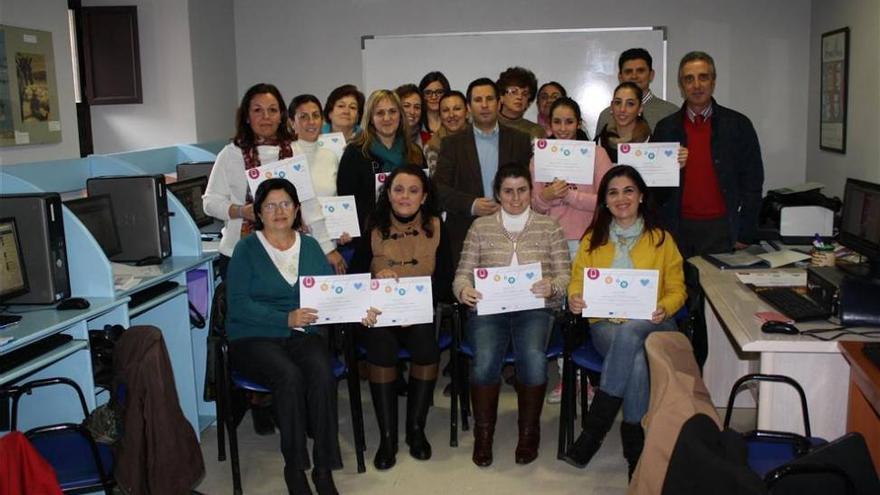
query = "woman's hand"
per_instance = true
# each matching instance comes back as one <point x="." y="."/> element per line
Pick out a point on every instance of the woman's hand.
<point x="388" y="273"/>
<point x="343" y="239"/>
<point x="555" y="190"/>
<point x="682" y="156"/>
<point x="371" y="318"/>
<point x="470" y="296"/>
<point x="302" y="317"/>
<point x="337" y="262"/>
<point x="658" y="315"/>
<point x="576" y="303"/>
<point x="247" y="212"/>
<point x="543" y="288"/>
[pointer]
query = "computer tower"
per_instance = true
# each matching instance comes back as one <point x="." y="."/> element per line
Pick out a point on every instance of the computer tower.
<point x="41" y="228"/>
<point x="140" y="208"/>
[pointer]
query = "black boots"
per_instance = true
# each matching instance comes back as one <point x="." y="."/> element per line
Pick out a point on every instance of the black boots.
<point x="323" y="480"/>
<point x="419" y="395"/>
<point x="632" y="436"/>
<point x="530" y="399"/>
<point x="599" y="419"/>
<point x="385" y="403"/>
<point x="484" y="400"/>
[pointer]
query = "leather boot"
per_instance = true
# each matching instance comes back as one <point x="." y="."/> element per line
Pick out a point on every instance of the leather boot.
<point x="385" y="403"/>
<point x="599" y="419"/>
<point x="632" y="437"/>
<point x="418" y="402"/>
<point x="484" y="400"/>
<point x="530" y="399"/>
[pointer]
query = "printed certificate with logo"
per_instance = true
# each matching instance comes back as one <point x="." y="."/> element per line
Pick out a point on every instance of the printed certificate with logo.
<point x="407" y="301"/>
<point x="569" y="160"/>
<point x="340" y="216"/>
<point x="338" y="298"/>
<point x="295" y="169"/>
<point x="333" y="141"/>
<point x="656" y="162"/>
<point x="620" y="293"/>
<point x="507" y="288"/>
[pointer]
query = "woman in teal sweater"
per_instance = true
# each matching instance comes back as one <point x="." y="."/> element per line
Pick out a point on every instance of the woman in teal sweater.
<point x="271" y="339"/>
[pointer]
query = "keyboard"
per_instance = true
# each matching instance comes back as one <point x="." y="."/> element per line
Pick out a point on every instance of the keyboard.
<point x="22" y="355"/>
<point x="142" y="296"/>
<point x="792" y="304"/>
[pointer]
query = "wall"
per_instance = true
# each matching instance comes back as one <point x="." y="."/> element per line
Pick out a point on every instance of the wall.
<point x="47" y="15"/>
<point x="862" y="158"/>
<point x="213" y="63"/>
<point x="761" y="49"/>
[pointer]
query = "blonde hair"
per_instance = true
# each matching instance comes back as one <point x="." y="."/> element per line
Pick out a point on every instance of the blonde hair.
<point x="367" y="136"/>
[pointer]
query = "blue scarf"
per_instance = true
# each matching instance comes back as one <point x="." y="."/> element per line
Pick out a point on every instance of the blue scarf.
<point x="623" y="240"/>
<point x="390" y="158"/>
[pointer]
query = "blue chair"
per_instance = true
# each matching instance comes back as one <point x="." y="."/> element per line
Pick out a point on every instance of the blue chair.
<point x="81" y="465"/>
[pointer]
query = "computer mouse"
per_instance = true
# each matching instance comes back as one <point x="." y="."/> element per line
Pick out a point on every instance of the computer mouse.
<point x="779" y="327"/>
<point x="72" y="303"/>
<point x="149" y="260"/>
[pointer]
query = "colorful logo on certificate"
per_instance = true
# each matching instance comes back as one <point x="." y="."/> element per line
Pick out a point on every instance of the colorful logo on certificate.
<point x="482" y="273"/>
<point x="592" y="273"/>
<point x="308" y="282"/>
<point x="624" y="148"/>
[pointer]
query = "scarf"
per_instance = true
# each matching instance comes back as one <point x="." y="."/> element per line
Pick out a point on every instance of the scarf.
<point x="252" y="160"/>
<point x="623" y="240"/>
<point x="390" y="158"/>
<point x="609" y="137"/>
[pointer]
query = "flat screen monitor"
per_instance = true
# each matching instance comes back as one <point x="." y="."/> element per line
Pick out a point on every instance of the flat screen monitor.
<point x="860" y="222"/>
<point x="96" y="213"/>
<point x="190" y="192"/>
<point x="194" y="169"/>
<point x="13" y="279"/>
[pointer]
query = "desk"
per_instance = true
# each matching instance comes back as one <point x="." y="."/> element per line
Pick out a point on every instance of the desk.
<point x="738" y="347"/>
<point x="863" y="413"/>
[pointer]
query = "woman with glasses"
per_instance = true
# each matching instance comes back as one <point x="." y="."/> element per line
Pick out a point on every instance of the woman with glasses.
<point x="433" y="86"/>
<point x="271" y="339"/>
<point x="518" y="89"/>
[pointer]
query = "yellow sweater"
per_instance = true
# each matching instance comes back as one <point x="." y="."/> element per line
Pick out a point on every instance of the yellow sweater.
<point x="645" y="256"/>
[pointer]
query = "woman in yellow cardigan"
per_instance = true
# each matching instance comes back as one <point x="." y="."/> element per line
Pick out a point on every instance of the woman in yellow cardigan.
<point x="625" y="233"/>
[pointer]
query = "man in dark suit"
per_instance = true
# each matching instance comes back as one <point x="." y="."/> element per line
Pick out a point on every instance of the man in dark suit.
<point x="468" y="161"/>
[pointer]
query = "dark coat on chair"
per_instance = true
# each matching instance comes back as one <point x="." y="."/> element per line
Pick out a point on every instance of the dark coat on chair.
<point x="159" y="451"/>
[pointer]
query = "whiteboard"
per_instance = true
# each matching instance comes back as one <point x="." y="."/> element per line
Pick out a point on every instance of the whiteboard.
<point x="582" y="60"/>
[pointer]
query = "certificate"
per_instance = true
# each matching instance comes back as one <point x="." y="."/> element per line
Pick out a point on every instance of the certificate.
<point x="333" y="141"/>
<point x="340" y="216"/>
<point x="620" y="293"/>
<point x="381" y="177"/>
<point x="407" y="301"/>
<point x="569" y="160"/>
<point x="507" y="288"/>
<point x="657" y="162"/>
<point x="338" y="298"/>
<point x="294" y="169"/>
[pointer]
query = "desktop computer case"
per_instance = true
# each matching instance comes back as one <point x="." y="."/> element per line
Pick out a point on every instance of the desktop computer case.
<point x="140" y="208"/>
<point x="41" y="229"/>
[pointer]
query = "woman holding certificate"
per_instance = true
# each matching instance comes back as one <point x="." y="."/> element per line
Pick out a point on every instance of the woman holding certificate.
<point x="514" y="236"/>
<point x="406" y="239"/>
<point x="270" y="338"/>
<point x="625" y="234"/>
<point x="383" y="145"/>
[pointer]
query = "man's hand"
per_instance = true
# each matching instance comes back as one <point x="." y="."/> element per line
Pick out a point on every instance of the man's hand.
<point x="485" y="206"/>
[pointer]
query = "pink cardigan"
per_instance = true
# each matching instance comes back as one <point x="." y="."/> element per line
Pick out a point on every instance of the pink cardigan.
<point x="574" y="212"/>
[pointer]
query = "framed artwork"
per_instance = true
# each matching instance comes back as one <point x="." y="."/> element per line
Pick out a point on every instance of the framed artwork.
<point x="835" y="78"/>
<point x="28" y="88"/>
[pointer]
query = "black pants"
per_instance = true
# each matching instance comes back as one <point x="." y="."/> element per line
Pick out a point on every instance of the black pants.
<point x="383" y="344"/>
<point x="298" y="371"/>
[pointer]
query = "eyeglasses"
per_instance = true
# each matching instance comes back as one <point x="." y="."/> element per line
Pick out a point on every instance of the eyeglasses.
<point x="549" y="97"/>
<point x="517" y="92"/>
<point x="284" y="205"/>
<point x="434" y="93"/>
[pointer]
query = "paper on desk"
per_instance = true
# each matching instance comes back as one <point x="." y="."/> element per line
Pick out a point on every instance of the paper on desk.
<point x="6" y="340"/>
<point x="782" y="258"/>
<point x="121" y="269"/>
<point x="774" y="278"/>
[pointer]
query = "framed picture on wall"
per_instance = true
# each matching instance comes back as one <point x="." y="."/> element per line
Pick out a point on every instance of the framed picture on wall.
<point x="835" y="78"/>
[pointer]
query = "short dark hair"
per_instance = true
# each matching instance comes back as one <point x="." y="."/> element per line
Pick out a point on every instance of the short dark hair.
<point x="521" y="78"/>
<point x="380" y="218"/>
<point x="553" y="83"/>
<point x="635" y="54"/>
<point x="268" y="186"/>
<point x="340" y="93"/>
<point x="300" y="100"/>
<point x="693" y="57"/>
<point x="453" y="94"/>
<point x="431" y="77"/>
<point x="510" y="170"/>
<point x="564" y="101"/>
<point x="602" y="218"/>
<point x="483" y="81"/>
<point x="244" y="135"/>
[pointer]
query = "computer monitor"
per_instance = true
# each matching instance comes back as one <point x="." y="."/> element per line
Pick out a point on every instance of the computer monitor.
<point x="190" y="192"/>
<point x="194" y="169"/>
<point x="13" y="279"/>
<point x="860" y="223"/>
<point x="96" y="213"/>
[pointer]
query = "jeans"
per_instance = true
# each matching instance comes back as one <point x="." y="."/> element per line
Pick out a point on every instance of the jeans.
<point x="625" y="369"/>
<point x="527" y="332"/>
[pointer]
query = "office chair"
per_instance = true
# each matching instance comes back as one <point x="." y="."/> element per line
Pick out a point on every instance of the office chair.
<point x="81" y="464"/>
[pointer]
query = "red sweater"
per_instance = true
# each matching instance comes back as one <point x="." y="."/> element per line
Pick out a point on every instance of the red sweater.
<point x="701" y="197"/>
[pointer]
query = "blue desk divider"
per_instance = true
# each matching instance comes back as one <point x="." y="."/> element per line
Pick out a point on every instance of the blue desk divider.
<point x="163" y="160"/>
<point x="212" y="147"/>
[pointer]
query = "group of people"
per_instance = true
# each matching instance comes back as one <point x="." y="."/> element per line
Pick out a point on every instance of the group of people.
<point x="469" y="155"/>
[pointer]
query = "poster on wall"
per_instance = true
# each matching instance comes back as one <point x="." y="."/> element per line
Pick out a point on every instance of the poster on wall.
<point x="835" y="67"/>
<point x="28" y="88"/>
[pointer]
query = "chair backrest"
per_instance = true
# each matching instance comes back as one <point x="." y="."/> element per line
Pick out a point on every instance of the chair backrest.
<point x="26" y="388"/>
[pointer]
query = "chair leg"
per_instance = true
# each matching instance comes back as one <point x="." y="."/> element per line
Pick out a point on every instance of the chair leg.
<point x="453" y="397"/>
<point x="354" y="398"/>
<point x="221" y="407"/>
<point x="233" y="451"/>
<point x="464" y="382"/>
<point x="565" y="409"/>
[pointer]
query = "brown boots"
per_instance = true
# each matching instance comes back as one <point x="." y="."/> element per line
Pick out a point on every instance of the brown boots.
<point x="484" y="399"/>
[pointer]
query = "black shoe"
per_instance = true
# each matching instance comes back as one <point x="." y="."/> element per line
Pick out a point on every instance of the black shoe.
<point x="323" y="480"/>
<point x="385" y="404"/>
<point x="418" y="402"/>
<point x="599" y="419"/>
<point x="263" y="422"/>
<point x="297" y="483"/>
<point x="632" y="437"/>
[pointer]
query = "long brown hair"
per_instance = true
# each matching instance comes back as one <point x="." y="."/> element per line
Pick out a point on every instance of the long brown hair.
<point x="367" y="136"/>
<point x="602" y="217"/>
<point x="244" y="135"/>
